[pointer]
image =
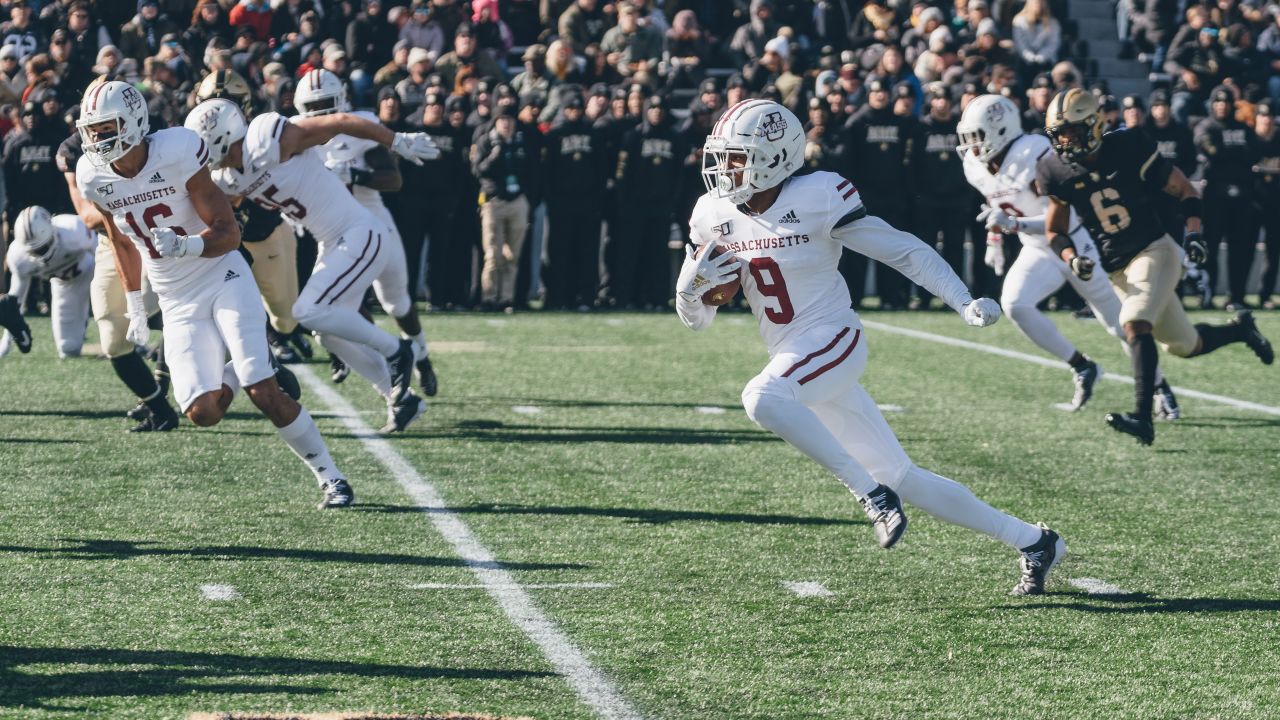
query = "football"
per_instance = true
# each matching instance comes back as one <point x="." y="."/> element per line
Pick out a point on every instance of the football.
<point x="722" y="294"/>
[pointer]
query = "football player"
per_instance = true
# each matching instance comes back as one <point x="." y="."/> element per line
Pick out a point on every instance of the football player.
<point x="162" y="210"/>
<point x="273" y="161"/>
<point x="153" y="412"/>
<point x="369" y="170"/>
<point x="59" y="249"/>
<point x="782" y="235"/>
<point x="1000" y="162"/>
<point x="1113" y="182"/>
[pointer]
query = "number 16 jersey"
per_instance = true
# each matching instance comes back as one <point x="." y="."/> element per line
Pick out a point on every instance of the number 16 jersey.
<point x="156" y="197"/>
<point x="300" y="187"/>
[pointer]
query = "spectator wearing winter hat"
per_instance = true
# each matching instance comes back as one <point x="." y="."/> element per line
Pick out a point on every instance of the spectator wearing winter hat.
<point x="892" y="70"/>
<point x="1037" y="37"/>
<point x="774" y="68"/>
<point x="465" y="53"/>
<point x="748" y="40"/>
<point x="583" y="23"/>
<point x="413" y="88"/>
<point x="687" y="50"/>
<point x="208" y="21"/>
<point x="140" y="37"/>
<point x="632" y="48"/>
<point x="492" y="35"/>
<point x="422" y="30"/>
<point x="915" y="41"/>
<point x="396" y="69"/>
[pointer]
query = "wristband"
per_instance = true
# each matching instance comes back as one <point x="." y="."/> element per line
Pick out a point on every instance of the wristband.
<point x="1191" y="207"/>
<point x="1059" y="242"/>
<point x="195" y="246"/>
<point x="133" y="302"/>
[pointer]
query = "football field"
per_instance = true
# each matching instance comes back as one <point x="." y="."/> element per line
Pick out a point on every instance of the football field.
<point x="586" y="525"/>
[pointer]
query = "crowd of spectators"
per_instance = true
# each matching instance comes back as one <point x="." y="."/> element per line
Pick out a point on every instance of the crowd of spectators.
<point x="571" y="130"/>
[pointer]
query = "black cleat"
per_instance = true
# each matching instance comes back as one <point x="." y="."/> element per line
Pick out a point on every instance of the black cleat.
<point x="301" y="343"/>
<point x="885" y="510"/>
<point x="281" y="350"/>
<point x="1166" y="402"/>
<point x="288" y="382"/>
<point x="338" y="370"/>
<point x="157" y="422"/>
<point x="401" y="369"/>
<point x="11" y="319"/>
<point x="1140" y="428"/>
<point x="427" y="377"/>
<point x="1254" y="339"/>
<point x="1085" y="378"/>
<point x="402" y="414"/>
<point x="337" y="494"/>
<point x="1037" y="561"/>
<point x="138" y="412"/>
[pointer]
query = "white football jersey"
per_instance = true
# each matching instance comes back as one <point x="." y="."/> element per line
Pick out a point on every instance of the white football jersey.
<point x="792" y="279"/>
<point x="156" y="197"/>
<point x="1011" y="189"/>
<point x="344" y="149"/>
<point x="74" y="247"/>
<point x="301" y="187"/>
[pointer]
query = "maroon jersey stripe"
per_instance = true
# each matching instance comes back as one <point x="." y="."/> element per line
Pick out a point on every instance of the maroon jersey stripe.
<point x="856" y="336"/>
<point x="815" y="354"/>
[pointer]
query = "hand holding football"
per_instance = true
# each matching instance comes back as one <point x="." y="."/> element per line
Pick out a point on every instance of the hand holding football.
<point x="721" y="294"/>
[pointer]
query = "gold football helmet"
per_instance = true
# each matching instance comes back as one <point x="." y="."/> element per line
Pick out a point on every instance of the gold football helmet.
<point x="1075" y="124"/>
<point x="227" y="84"/>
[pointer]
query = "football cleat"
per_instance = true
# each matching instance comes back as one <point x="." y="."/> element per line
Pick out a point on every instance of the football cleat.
<point x="301" y="343"/>
<point x="338" y="370"/>
<point x="11" y="319"/>
<point x="1166" y="402"/>
<point x="337" y="494"/>
<point x="401" y="414"/>
<point x="1140" y="428"/>
<point x="1037" y="562"/>
<point x="885" y="510"/>
<point x="401" y="369"/>
<point x="139" y="411"/>
<point x="280" y="349"/>
<point x="157" y="422"/>
<point x="1253" y="338"/>
<point x="288" y="382"/>
<point x="1085" y="378"/>
<point x="427" y="377"/>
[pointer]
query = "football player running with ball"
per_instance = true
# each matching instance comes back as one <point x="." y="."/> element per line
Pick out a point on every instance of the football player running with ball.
<point x="161" y="210"/>
<point x="1000" y="162"/>
<point x="782" y="235"/>
<point x="1114" y="182"/>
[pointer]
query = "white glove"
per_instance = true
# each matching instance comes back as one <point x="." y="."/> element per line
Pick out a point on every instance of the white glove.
<point x="701" y="273"/>
<point x="415" y="147"/>
<point x="998" y="220"/>
<point x="981" y="312"/>
<point x="343" y="170"/>
<point x="994" y="257"/>
<point x="172" y="245"/>
<point x="136" y="311"/>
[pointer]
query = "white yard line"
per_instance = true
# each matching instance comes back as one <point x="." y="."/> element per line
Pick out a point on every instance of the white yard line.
<point x="526" y="409"/>
<point x="891" y="408"/>
<point x="1094" y="586"/>
<point x="590" y="684"/>
<point x="530" y="586"/>
<point x="709" y="410"/>
<point x="807" y="588"/>
<point x="1046" y="362"/>
<point x="219" y="592"/>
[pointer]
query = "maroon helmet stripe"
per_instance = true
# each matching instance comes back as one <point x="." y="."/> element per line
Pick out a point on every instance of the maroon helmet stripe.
<point x="93" y="98"/>
<point x="843" y="184"/>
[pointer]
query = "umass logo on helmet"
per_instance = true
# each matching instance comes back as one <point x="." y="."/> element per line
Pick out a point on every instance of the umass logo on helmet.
<point x="132" y="99"/>
<point x="774" y="126"/>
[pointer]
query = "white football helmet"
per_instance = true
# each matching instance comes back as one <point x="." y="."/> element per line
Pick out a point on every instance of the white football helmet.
<point x="765" y="142"/>
<point x="120" y="104"/>
<point x="988" y="125"/>
<point x="320" y="92"/>
<point x="220" y="124"/>
<point x="34" y="230"/>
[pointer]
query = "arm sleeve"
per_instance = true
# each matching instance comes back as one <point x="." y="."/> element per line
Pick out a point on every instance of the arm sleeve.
<point x="693" y="313"/>
<point x="902" y="251"/>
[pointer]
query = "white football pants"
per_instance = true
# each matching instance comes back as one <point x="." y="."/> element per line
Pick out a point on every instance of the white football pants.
<point x="809" y="395"/>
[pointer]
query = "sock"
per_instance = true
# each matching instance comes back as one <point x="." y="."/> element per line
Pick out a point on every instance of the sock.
<point x="230" y="380"/>
<point x="1213" y="337"/>
<point x="420" y="341"/>
<point x="349" y="325"/>
<point x="1128" y="351"/>
<point x="952" y="502"/>
<point x="134" y="373"/>
<point x="303" y="438"/>
<point x="1144" y="373"/>
<point x="1078" y="360"/>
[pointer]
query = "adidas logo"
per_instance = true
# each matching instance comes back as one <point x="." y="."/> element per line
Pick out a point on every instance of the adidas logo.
<point x="790" y="217"/>
<point x="155" y="179"/>
<point x="231" y="275"/>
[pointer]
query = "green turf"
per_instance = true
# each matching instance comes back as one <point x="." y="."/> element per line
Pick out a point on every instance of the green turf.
<point x="695" y="519"/>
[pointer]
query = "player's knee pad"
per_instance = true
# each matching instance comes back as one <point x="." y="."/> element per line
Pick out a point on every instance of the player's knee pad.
<point x="766" y="399"/>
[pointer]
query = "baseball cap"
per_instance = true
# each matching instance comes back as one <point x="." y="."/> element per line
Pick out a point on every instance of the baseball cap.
<point x="903" y="90"/>
<point x="599" y="90"/>
<point x="535" y="51"/>
<point x="1158" y="97"/>
<point x="401" y="45"/>
<point x="1264" y="108"/>
<point x="735" y="81"/>
<point x="939" y="91"/>
<point x="1109" y="103"/>
<point x="387" y="92"/>
<point x="456" y="103"/>
<point x="1043" y="80"/>
<point x="987" y="27"/>
<point x="505" y="111"/>
<point x="1222" y="94"/>
<point x="9" y="51"/>
<point x="418" y="55"/>
<point x="464" y="29"/>
<point x="574" y="102"/>
<point x="656" y="101"/>
<point x="433" y="99"/>
<point x="334" y="51"/>
<point x="708" y="86"/>
<point x="61" y="34"/>
<point x="1132" y="101"/>
<point x="877" y="85"/>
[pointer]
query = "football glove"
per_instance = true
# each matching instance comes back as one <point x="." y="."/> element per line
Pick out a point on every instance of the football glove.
<point x="415" y="147"/>
<point x="699" y="274"/>
<point x="1196" y="251"/>
<point x="343" y="170"/>
<point x="172" y="245"/>
<point x="981" y="312"/>
<point x="1082" y="267"/>
<point x="998" y="220"/>
<point x="136" y="312"/>
<point x="994" y="257"/>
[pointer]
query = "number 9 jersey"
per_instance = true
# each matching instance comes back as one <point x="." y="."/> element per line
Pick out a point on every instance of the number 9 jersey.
<point x="156" y="197"/>
<point x="791" y="277"/>
<point x="1116" y="199"/>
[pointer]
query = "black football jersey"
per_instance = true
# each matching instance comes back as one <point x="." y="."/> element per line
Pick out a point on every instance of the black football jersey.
<point x="1117" y="198"/>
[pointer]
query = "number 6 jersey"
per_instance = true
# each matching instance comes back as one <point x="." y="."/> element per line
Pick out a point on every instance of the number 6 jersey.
<point x="301" y="187"/>
<point x="1116" y="198"/>
<point x="156" y="197"/>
